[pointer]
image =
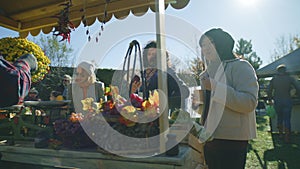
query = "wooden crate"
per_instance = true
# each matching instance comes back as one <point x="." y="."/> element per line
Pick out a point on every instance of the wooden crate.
<point x="195" y="144"/>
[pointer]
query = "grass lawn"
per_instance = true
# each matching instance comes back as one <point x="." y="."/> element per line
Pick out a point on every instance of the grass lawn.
<point x="268" y="151"/>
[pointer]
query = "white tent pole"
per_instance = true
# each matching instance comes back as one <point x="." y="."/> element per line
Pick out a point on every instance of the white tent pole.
<point x="162" y="65"/>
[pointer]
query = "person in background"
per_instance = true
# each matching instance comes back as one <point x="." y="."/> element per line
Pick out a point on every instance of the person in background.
<point x="16" y="79"/>
<point x="57" y="112"/>
<point x="63" y="88"/>
<point x="230" y="118"/>
<point x="85" y="86"/>
<point x="33" y="95"/>
<point x="56" y="96"/>
<point x="279" y="89"/>
<point x="177" y="90"/>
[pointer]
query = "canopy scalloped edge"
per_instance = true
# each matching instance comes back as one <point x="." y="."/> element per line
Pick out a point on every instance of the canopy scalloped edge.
<point x="138" y="10"/>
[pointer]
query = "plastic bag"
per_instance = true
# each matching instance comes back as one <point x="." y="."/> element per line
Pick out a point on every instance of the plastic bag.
<point x="270" y="110"/>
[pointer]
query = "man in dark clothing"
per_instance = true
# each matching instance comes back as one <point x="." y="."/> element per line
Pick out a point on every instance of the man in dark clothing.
<point x="15" y="79"/>
<point x="279" y="90"/>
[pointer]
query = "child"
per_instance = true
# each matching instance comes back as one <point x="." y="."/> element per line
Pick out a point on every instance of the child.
<point x="56" y="96"/>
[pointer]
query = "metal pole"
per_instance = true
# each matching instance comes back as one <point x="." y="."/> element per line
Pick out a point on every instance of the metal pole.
<point x="162" y="65"/>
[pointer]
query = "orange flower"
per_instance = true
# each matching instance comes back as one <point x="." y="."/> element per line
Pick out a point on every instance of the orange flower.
<point x="126" y="122"/>
<point x="76" y="117"/>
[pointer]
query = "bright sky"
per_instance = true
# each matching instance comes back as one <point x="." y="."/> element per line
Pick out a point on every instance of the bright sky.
<point x="261" y="21"/>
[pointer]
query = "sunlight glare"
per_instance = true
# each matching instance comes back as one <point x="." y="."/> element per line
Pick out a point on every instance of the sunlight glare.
<point x="248" y="3"/>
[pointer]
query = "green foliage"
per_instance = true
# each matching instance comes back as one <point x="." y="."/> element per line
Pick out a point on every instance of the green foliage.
<point x="51" y="81"/>
<point x="254" y="60"/>
<point x="105" y="75"/>
<point x="58" y="52"/>
<point x="285" y="45"/>
<point x="197" y="66"/>
<point x="269" y="151"/>
<point x="244" y="49"/>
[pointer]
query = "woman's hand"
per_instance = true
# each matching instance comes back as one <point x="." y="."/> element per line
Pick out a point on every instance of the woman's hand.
<point x="206" y="82"/>
<point x="195" y="101"/>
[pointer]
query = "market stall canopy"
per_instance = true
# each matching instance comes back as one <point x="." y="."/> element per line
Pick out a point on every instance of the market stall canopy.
<point x="291" y="60"/>
<point x="34" y="16"/>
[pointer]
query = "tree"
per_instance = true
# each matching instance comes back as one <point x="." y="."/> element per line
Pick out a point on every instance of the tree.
<point x="244" y="49"/>
<point x="197" y="66"/>
<point x="60" y="54"/>
<point x="285" y="45"/>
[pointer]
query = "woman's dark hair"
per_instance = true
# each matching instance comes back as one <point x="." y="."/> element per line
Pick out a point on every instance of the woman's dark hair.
<point x="223" y="42"/>
<point x="151" y="44"/>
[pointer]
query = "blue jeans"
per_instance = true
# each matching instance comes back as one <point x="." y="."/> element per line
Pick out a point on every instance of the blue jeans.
<point x="283" y="108"/>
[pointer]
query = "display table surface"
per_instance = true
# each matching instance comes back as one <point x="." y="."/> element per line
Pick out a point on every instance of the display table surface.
<point x="47" y="104"/>
<point x="17" y="120"/>
<point x="53" y="109"/>
<point x="91" y="159"/>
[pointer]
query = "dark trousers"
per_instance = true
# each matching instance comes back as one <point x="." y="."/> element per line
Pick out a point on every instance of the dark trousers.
<point x="225" y="154"/>
<point x="283" y="108"/>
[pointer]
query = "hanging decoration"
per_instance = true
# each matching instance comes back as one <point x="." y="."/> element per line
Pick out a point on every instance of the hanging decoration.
<point x="103" y="20"/>
<point x="85" y="21"/>
<point x="65" y="26"/>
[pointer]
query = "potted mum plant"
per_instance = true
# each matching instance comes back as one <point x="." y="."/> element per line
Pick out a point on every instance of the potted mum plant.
<point x="12" y="48"/>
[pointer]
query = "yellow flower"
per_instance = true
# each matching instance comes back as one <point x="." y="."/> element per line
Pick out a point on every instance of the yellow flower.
<point x="12" y="48"/>
<point x="87" y="103"/>
<point x="129" y="109"/>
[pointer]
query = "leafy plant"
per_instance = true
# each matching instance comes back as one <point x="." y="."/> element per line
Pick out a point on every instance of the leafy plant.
<point x="12" y="48"/>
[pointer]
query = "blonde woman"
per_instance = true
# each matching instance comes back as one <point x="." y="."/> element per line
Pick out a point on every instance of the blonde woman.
<point x="85" y="86"/>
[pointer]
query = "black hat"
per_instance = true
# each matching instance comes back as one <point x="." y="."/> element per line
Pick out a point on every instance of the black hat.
<point x="222" y="40"/>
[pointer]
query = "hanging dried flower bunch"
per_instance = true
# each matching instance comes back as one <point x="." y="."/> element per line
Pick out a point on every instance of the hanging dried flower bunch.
<point x="65" y="26"/>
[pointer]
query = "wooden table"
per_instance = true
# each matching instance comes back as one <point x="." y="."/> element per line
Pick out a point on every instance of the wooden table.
<point x="52" y="110"/>
<point x="91" y="159"/>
